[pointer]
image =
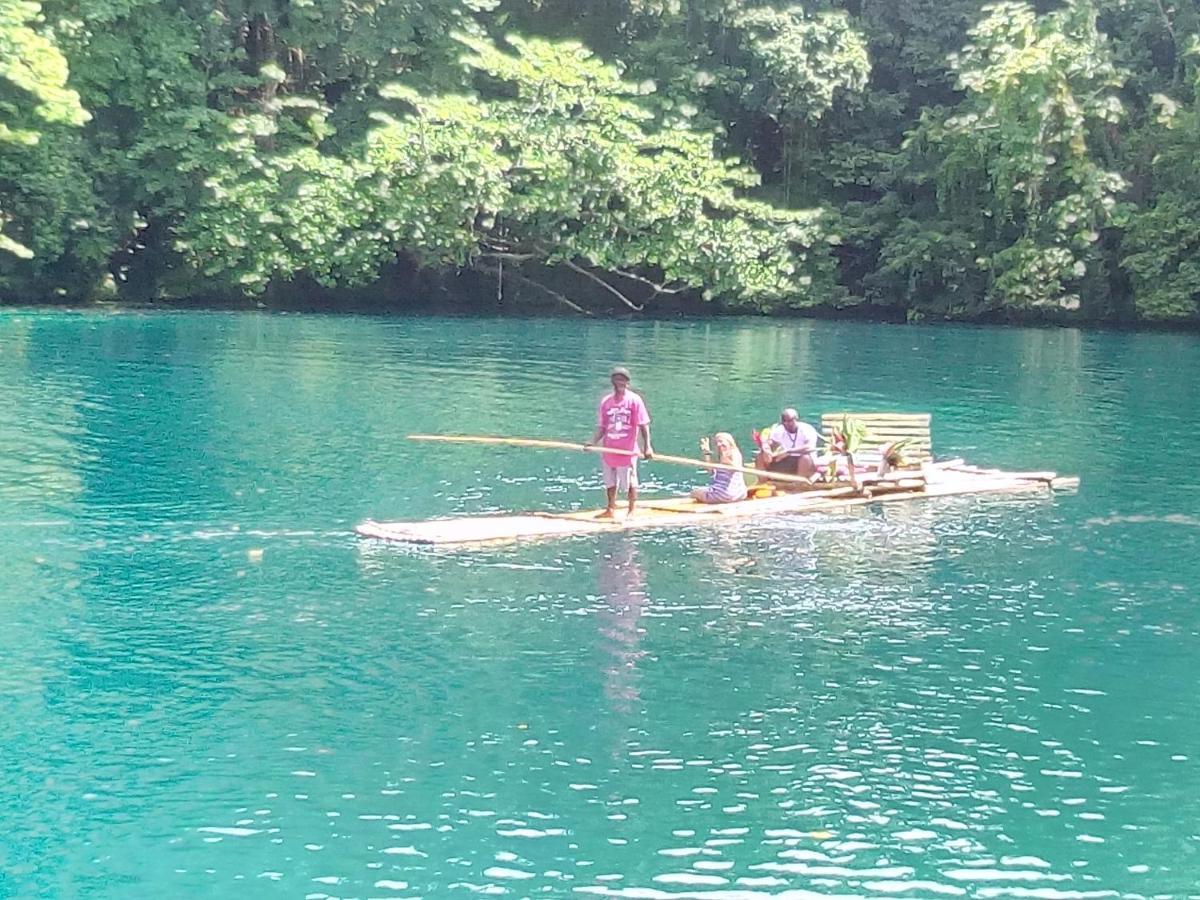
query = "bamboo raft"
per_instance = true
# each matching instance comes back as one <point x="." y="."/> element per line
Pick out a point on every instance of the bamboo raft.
<point x="937" y="480"/>
<point x="928" y="479"/>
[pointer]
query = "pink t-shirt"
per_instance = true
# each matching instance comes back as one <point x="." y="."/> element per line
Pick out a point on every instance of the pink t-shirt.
<point x="620" y="420"/>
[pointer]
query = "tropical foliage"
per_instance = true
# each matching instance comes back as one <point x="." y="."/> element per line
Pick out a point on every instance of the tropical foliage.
<point x="953" y="159"/>
<point x="33" y="95"/>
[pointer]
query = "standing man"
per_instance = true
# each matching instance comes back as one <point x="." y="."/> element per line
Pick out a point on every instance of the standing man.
<point x="790" y="448"/>
<point x="623" y="422"/>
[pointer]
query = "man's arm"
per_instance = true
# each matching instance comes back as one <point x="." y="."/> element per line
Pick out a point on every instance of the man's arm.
<point x="774" y="449"/>
<point x="644" y="437"/>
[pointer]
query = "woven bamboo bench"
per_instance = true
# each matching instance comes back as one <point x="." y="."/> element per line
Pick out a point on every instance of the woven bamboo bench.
<point x="887" y="428"/>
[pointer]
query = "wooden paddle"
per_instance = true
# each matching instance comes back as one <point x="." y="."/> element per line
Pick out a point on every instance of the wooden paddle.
<point x="590" y="448"/>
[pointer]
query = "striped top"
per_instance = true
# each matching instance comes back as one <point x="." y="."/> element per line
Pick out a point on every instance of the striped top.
<point x="727" y="486"/>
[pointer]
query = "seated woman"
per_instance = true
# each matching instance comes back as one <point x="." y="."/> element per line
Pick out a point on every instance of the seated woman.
<point x="726" y="486"/>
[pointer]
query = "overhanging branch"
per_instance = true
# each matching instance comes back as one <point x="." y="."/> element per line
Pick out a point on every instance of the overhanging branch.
<point x="604" y="284"/>
<point x="510" y="257"/>
<point x="658" y="288"/>
<point x="522" y="279"/>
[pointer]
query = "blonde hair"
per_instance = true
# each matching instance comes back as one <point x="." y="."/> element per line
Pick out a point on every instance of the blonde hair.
<point x="733" y="453"/>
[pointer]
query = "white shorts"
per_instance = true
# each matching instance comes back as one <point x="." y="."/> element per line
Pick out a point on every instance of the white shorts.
<point x="621" y="477"/>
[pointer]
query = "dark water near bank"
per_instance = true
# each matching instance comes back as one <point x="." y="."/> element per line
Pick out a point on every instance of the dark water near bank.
<point x="210" y="689"/>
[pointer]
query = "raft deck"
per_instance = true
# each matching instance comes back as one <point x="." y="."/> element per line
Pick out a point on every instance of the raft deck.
<point x="940" y="480"/>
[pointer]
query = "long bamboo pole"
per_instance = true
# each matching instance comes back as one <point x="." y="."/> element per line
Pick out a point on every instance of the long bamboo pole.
<point x="591" y="448"/>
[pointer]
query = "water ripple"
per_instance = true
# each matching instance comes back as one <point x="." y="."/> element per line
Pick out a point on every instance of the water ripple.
<point x="209" y="685"/>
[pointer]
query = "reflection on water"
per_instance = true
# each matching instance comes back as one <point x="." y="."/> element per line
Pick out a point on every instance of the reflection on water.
<point x="621" y="584"/>
<point x="211" y="689"/>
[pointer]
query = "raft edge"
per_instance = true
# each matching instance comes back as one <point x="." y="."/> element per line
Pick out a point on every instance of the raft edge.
<point x="449" y="531"/>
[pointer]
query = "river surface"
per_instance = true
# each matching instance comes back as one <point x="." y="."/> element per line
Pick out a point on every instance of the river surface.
<point x="210" y="688"/>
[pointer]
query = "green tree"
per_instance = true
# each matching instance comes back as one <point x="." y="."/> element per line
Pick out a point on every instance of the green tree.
<point x="1018" y="168"/>
<point x="799" y="65"/>
<point x="948" y="157"/>
<point x="33" y="93"/>
<point x="1161" y="248"/>
<point x="559" y="169"/>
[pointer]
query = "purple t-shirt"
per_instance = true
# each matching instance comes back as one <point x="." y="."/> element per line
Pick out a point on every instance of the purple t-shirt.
<point x="620" y="420"/>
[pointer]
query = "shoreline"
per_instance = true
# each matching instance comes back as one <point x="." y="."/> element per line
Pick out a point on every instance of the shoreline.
<point x="524" y="310"/>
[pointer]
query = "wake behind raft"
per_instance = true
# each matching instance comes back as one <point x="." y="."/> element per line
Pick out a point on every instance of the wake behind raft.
<point x="928" y="479"/>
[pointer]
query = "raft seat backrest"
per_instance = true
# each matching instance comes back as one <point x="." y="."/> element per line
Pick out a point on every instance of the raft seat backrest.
<point x="884" y="428"/>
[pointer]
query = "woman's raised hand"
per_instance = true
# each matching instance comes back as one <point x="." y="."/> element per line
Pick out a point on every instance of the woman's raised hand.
<point x="705" y="446"/>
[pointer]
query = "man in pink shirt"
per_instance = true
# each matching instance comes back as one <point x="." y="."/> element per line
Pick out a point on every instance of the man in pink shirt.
<point x="623" y="421"/>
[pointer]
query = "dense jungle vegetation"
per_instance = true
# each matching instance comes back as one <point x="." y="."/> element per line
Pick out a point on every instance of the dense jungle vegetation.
<point x="928" y="158"/>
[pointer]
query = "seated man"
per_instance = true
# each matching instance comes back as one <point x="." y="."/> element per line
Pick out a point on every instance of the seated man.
<point x="790" y="447"/>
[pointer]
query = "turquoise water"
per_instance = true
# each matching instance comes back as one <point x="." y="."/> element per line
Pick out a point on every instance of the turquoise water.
<point x="211" y="689"/>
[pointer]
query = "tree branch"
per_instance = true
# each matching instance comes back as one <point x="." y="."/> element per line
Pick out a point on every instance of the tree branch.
<point x="658" y="288"/>
<point x="1170" y="26"/>
<point x="604" y="284"/>
<point x="511" y="257"/>
<point x="517" y="276"/>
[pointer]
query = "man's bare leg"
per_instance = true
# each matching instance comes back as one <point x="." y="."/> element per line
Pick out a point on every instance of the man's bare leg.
<point x="806" y="468"/>
<point x="610" y="511"/>
<point x="632" y="501"/>
<point x="764" y="462"/>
